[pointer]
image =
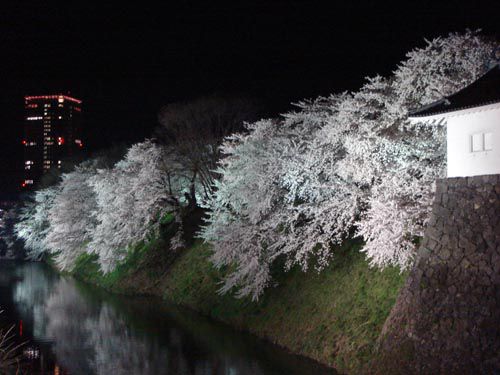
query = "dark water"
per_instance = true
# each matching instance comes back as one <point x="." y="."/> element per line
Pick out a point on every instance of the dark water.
<point x="73" y="328"/>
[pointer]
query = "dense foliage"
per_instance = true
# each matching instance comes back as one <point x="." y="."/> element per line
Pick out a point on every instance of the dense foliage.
<point x="103" y="210"/>
<point x="349" y="162"/>
<point x="284" y="191"/>
<point x="33" y="225"/>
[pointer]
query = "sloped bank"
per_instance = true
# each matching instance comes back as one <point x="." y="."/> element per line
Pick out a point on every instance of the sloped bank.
<point x="333" y="317"/>
<point x="447" y="318"/>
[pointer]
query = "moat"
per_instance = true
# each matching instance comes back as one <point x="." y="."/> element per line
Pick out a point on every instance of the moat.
<point x="73" y="328"/>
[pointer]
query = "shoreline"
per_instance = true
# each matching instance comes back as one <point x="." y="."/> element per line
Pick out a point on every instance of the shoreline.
<point x="333" y="318"/>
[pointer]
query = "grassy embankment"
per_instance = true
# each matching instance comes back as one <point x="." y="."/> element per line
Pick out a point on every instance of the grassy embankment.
<point x="334" y="317"/>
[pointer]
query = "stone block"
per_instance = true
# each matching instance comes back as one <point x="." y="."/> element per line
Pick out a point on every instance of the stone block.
<point x="445" y="253"/>
<point x="465" y="264"/>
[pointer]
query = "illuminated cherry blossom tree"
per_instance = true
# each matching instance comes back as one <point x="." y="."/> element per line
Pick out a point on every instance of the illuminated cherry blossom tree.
<point x="131" y="197"/>
<point x="33" y="225"/>
<point x="408" y="157"/>
<point x="349" y="162"/>
<point x="72" y="216"/>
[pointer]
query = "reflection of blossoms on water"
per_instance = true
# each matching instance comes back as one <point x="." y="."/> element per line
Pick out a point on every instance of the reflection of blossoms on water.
<point x="74" y="329"/>
<point x="30" y="293"/>
<point x="66" y="313"/>
<point x="120" y="351"/>
<point x="97" y="340"/>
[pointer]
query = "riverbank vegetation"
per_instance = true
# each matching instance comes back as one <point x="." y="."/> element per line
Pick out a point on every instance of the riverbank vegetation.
<point x="301" y="212"/>
<point x="10" y="358"/>
<point x="333" y="317"/>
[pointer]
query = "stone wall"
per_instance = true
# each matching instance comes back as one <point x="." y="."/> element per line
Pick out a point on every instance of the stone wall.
<point x="447" y="317"/>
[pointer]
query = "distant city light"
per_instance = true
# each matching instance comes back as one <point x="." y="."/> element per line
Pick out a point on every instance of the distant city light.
<point x="31" y="353"/>
<point x="26" y="183"/>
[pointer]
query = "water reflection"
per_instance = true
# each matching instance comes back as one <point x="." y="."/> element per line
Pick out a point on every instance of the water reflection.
<point x="77" y="329"/>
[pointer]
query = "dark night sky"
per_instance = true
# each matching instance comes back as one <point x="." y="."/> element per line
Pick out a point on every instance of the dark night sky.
<point x="125" y="61"/>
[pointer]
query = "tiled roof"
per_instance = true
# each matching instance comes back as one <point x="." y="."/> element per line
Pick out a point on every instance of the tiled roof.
<point x="485" y="90"/>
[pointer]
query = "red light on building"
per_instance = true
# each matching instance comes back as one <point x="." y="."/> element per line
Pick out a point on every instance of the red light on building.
<point x="60" y="141"/>
<point x="59" y="98"/>
<point x="24" y="142"/>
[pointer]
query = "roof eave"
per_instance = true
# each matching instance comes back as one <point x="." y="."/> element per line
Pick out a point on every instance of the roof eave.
<point x="457" y="112"/>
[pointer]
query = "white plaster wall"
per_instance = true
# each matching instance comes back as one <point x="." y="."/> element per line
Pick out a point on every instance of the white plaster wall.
<point x="460" y="126"/>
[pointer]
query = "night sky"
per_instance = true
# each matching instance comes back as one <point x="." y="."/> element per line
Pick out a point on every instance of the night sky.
<point x="126" y="61"/>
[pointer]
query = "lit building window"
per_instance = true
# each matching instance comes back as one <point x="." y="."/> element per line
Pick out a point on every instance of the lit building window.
<point x="34" y="118"/>
<point x="29" y="162"/>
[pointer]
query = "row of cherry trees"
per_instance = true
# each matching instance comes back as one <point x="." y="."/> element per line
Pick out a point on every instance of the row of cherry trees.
<point x="285" y="191"/>
<point x="347" y="164"/>
<point x="102" y="210"/>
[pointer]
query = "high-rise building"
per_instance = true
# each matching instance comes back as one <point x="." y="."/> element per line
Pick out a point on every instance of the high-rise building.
<point x="52" y="134"/>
